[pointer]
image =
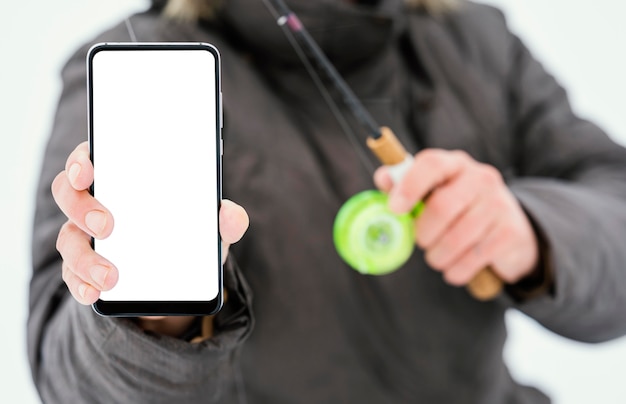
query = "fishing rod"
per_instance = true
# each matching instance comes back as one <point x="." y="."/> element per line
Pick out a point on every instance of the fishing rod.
<point x="381" y="140"/>
<point x="366" y="211"/>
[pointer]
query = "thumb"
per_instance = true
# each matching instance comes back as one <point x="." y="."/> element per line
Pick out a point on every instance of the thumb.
<point x="234" y="222"/>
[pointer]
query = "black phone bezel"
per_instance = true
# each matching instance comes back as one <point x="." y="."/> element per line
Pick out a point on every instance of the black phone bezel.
<point x="119" y="308"/>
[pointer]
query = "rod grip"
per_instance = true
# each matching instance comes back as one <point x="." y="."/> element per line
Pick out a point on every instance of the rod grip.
<point x="387" y="147"/>
<point x="486" y="285"/>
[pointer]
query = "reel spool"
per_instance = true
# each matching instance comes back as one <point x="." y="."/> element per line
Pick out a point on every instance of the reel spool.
<point x="372" y="239"/>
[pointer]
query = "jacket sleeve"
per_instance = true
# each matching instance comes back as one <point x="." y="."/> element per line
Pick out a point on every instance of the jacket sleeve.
<point x="78" y="356"/>
<point x="572" y="183"/>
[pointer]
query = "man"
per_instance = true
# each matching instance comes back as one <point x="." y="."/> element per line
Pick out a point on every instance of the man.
<point x="511" y="177"/>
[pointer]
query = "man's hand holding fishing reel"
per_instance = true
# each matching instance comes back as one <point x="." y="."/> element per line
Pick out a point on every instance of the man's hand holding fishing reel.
<point x="470" y="220"/>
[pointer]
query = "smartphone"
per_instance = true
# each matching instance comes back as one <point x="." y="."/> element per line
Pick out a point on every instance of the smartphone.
<point x="155" y="123"/>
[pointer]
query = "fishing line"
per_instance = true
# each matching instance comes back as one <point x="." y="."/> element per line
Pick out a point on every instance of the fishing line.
<point x="336" y="111"/>
<point x="131" y="31"/>
<point x="292" y="26"/>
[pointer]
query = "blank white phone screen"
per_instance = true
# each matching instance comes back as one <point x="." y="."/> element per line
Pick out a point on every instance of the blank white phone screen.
<point x="155" y="154"/>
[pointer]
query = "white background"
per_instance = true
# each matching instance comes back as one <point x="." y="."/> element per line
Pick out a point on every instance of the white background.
<point x="582" y="42"/>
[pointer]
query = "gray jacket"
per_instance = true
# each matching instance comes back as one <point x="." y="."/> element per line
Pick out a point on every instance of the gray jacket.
<point x="322" y="332"/>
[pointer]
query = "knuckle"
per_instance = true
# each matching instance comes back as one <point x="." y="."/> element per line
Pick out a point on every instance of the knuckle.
<point x="75" y="256"/>
<point x="433" y="261"/>
<point x="62" y="237"/>
<point x="431" y="158"/>
<point x="461" y="155"/>
<point x="500" y="203"/>
<point x="508" y="230"/>
<point x="73" y="283"/>
<point x="507" y="277"/>
<point x="428" y="153"/>
<point x="57" y="183"/>
<point x="440" y="206"/>
<point x="452" y="278"/>
<point x="82" y="263"/>
<point x="452" y="240"/>
<point x="64" y="272"/>
<point x="489" y="175"/>
<point x="458" y="276"/>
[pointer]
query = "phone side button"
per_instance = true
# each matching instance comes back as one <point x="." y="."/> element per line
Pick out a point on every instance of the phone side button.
<point x="221" y="147"/>
<point x="221" y="112"/>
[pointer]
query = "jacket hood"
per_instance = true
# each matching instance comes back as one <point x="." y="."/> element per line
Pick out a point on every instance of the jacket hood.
<point x="347" y="33"/>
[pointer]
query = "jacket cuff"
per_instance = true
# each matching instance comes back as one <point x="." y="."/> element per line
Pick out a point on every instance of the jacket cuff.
<point x="237" y="304"/>
<point x="541" y="281"/>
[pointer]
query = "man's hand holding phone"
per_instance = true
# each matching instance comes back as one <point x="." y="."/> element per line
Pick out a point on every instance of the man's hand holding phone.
<point x="85" y="272"/>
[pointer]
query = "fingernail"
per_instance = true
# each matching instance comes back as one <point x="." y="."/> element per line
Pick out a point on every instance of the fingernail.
<point x="95" y="221"/>
<point x="398" y="203"/>
<point x="82" y="289"/>
<point x="73" y="172"/>
<point x="99" y="274"/>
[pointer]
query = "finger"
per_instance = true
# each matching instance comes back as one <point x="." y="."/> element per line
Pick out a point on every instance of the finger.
<point x="82" y="208"/>
<point x="382" y="179"/>
<point x="234" y="221"/>
<point x="82" y="261"/>
<point x="78" y="167"/>
<point x="469" y="228"/>
<point x="474" y="259"/>
<point x="444" y="207"/>
<point x="430" y="168"/>
<point x="82" y="292"/>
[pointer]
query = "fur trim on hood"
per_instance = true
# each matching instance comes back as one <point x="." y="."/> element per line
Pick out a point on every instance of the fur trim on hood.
<point x="190" y="10"/>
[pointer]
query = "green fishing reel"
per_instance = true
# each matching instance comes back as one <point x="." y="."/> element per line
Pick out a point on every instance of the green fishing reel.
<point x="372" y="239"/>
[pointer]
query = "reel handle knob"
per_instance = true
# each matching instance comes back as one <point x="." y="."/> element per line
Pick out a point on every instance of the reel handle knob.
<point x="486" y="285"/>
